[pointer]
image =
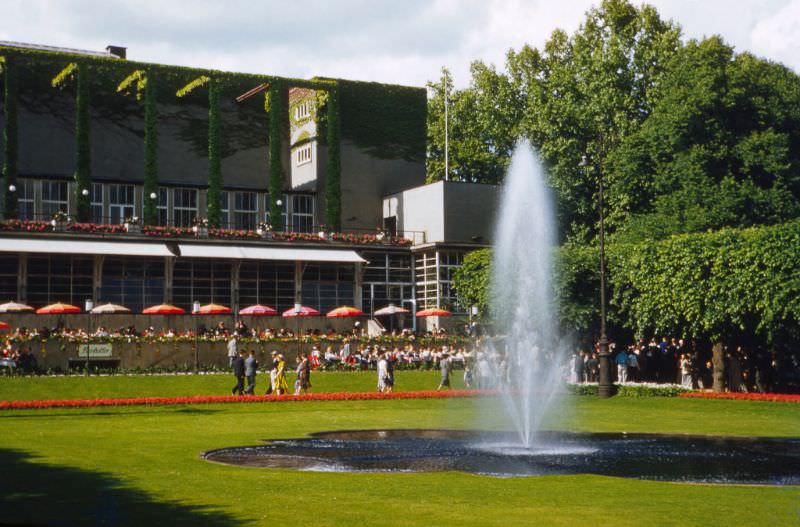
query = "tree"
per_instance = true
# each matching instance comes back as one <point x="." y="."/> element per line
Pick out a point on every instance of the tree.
<point x="471" y="280"/>
<point x="585" y="93"/>
<point x="721" y="147"/>
<point x="483" y="122"/>
<point x="734" y="286"/>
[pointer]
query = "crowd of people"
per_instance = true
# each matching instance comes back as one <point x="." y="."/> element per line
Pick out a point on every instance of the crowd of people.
<point x="676" y="361"/>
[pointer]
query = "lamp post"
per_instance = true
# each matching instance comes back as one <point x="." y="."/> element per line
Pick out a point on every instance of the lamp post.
<point x="392" y="313"/>
<point x="605" y="388"/>
<point x="88" y="307"/>
<point x="195" y="310"/>
<point x="298" y="308"/>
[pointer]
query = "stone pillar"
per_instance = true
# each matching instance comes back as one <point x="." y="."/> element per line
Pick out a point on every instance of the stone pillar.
<point x="298" y="282"/>
<point x="97" y="277"/>
<point x="169" y="267"/>
<point x="236" y="266"/>
<point x="358" y="285"/>
<point x="22" y="277"/>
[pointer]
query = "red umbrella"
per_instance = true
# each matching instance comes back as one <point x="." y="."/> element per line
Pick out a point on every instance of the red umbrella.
<point x="258" y="309"/>
<point x="345" y="311"/>
<point x="58" y="309"/>
<point x="163" y="309"/>
<point x="433" y="312"/>
<point x="212" y="309"/>
<point x="304" y="311"/>
<point x="13" y="307"/>
<point x="4" y="326"/>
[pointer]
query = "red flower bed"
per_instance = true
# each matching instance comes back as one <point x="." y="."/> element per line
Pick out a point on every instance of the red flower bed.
<point x="769" y="397"/>
<point x="216" y="399"/>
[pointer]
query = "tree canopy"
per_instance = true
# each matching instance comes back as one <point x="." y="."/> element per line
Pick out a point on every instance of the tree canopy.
<point x="688" y="136"/>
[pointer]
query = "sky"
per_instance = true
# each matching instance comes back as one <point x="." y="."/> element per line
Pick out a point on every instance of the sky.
<point x="400" y="42"/>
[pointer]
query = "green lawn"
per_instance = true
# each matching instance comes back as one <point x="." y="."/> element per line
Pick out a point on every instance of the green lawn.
<point x="140" y="465"/>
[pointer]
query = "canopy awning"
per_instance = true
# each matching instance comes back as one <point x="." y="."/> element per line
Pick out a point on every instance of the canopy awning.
<point x="269" y="253"/>
<point x="28" y="245"/>
<point x="221" y="251"/>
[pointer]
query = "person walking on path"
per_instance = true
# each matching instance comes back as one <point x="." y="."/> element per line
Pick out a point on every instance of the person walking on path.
<point x="273" y="372"/>
<point x="233" y="350"/>
<point x="444" y="367"/>
<point x="383" y="372"/>
<point x="250" y="369"/>
<point x="281" y="386"/>
<point x="238" y="372"/>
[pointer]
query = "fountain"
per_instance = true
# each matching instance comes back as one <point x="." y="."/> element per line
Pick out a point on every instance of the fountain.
<point x="525" y="366"/>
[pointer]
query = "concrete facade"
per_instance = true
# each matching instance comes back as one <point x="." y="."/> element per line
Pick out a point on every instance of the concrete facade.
<point x="446" y="211"/>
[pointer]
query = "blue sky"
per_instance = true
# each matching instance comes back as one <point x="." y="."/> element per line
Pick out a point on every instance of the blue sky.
<point x="404" y="42"/>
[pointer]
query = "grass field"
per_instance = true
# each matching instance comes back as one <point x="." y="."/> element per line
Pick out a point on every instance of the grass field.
<point x="140" y="465"/>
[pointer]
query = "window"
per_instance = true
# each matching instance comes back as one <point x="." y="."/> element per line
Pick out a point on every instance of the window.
<point x="133" y="282"/>
<point x="120" y="203"/>
<point x="304" y="155"/>
<point x="270" y="283"/>
<point x="184" y="206"/>
<point x="326" y="286"/>
<point x="96" y="198"/>
<point x="302" y="213"/>
<point x="245" y="210"/>
<point x="55" y="198"/>
<point x="61" y="278"/>
<point x="26" y="199"/>
<point x="9" y="268"/>
<point x="161" y="206"/>
<point x="202" y="280"/>
<point x="302" y="110"/>
<point x="387" y="279"/>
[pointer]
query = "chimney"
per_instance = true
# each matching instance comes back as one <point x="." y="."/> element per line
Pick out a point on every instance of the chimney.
<point x="117" y="51"/>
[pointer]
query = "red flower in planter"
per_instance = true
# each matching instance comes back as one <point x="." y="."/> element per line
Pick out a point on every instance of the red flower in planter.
<point x="767" y="397"/>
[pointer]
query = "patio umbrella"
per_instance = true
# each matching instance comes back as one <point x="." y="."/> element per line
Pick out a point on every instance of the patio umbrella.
<point x="345" y="311"/>
<point x="259" y="310"/>
<point x="13" y="307"/>
<point x="384" y="311"/>
<point x="434" y="312"/>
<point x="212" y="309"/>
<point x="163" y="309"/>
<point x="304" y="311"/>
<point x="58" y="309"/>
<point x="109" y="309"/>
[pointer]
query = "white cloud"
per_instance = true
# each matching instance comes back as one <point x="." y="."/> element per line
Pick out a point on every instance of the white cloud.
<point x="388" y="41"/>
<point x="778" y="37"/>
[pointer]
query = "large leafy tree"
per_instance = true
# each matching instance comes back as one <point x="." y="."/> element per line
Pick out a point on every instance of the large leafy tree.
<point x="483" y="126"/>
<point x="721" y="147"/>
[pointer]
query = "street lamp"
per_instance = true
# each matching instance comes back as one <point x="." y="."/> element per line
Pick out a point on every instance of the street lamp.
<point x="89" y="305"/>
<point x="195" y="311"/>
<point x="605" y="388"/>
<point x="298" y="308"/>
<point x="153" y="195"/>
<point x="85" y="192"/>
<point x="12" y="188"/>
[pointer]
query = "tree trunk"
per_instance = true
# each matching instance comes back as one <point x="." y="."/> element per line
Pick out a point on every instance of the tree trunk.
<point x="718" y="363"/>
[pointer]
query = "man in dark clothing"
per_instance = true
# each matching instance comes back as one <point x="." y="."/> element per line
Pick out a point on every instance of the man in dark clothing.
<point x="238" y="372"/>
<point x="250" y="369"/>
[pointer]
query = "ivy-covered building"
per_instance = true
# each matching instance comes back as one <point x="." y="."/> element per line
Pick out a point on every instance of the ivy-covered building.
<point x="271" y="165"/>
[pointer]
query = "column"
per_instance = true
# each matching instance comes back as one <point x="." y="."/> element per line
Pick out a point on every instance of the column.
<point x="298" y="282"/>
<point x="358" y="285"/>
<point x="97" y="277"/>
<point x="22" y="277"/>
